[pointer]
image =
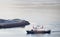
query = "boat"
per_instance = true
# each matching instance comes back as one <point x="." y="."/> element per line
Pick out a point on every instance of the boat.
<point x="37" y="31"/>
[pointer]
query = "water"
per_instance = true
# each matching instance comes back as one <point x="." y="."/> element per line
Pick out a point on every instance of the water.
<point x="46" y="16"/>
<point x="21" y="32"/>
<point x="35" y="12"/>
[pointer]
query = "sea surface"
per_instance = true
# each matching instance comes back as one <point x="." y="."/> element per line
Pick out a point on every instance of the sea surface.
<point x="44" y="14"/>
<point x="21" y="32"/>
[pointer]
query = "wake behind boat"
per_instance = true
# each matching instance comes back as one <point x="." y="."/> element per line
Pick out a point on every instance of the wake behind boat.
<point x="37" y="30"/>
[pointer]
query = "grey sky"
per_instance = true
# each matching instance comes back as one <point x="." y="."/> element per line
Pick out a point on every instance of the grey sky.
<point x="29" y="1"/>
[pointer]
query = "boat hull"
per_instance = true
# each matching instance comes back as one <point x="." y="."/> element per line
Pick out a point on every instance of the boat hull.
<point x="38" y="32"/>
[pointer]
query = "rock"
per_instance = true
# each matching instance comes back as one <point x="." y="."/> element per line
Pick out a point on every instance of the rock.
<point x="13" y="23"/>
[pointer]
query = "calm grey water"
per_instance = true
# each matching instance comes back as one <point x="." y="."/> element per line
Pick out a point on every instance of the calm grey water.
<point x="21" y="32"/>
<point x="33" y="11"/>
<point x="48" y="16"/>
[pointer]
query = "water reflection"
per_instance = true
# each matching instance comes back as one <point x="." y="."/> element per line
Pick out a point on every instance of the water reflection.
<point x="21" y="32"/>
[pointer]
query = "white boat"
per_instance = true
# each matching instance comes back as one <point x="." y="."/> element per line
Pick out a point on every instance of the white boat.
<point x="36" y="30"/>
